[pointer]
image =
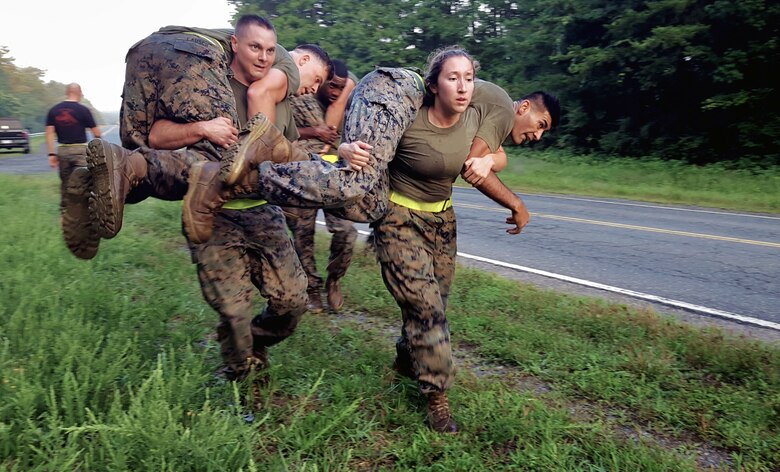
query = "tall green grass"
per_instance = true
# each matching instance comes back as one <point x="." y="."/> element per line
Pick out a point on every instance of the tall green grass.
<point x="716" y="185"/>
<point x="109" y="365"/>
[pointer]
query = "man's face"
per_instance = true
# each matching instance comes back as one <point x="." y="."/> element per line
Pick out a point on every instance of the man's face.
<point x="255" y="52"/>
<point x="313" y="73"/>
<point x="332" y="90"/>
<point x="531" y="121"/>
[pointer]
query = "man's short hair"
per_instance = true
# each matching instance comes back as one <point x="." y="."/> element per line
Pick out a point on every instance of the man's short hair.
<point x="247" y="20"/>
<point x="340" y="68"/>
<point x="548" y="101"/>
<point x="320" y="53"/>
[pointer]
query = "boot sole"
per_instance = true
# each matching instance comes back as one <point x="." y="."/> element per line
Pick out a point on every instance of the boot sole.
<point x="238" y="164"/>
<point x="186" y="214"/>
<point x="101" y="164"/>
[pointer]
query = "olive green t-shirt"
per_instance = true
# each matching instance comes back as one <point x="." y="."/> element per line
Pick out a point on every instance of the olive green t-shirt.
<point x="239" y="92"/>
<point x="429" y="159"/>
<point x="496" y="111"/>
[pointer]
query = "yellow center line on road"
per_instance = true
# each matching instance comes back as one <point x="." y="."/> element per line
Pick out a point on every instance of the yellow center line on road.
<point x="633" y="227"/>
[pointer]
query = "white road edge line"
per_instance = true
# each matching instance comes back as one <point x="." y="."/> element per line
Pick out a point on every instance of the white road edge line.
<point x="658" y="206"/>
<point x="622" y="291"/>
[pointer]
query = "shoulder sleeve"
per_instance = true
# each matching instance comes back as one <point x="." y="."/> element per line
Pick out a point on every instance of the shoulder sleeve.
<point x="87" y="119"/>
<point x="284" y="62"/>
<point x="50" y="116"/>
<point x="496" y="113"/>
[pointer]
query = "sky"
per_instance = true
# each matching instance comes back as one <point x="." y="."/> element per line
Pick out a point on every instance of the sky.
<point x="85" y="41"/>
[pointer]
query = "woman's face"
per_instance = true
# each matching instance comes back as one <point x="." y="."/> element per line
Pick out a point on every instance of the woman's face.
<point x="455" y="85"/>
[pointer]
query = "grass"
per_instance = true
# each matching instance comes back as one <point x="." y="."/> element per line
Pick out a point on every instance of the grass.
<point x="108" y="365"/>
<point x="650" y="180"/>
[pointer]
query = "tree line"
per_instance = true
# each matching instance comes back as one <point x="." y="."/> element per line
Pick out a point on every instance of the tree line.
<point x="24" y="94"/>
<point x="672" y="79"/>
<point x="691" y="80"/>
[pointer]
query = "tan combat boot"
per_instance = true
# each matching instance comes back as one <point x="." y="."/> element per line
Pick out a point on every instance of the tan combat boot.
<point x="78" y="228"/>
<point x="315" y="301"/>
<point x="115" y="171"/>
<point x="439" y="415"/>
<point x="206" y="195"/>
<point x="335" y="298"/>
<point x="258" y="142"/>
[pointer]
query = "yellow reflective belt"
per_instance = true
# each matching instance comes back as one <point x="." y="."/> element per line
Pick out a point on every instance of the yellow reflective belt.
<point x="418" y="80"/>
<point x="243" y="204"/>
<point x="212" y="41"/>
<point x="332" y="158"/>
<point x="408" y="202"/>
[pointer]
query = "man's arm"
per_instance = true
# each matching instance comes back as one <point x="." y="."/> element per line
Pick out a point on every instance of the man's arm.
<point x="322" y="132"/>
<point x="334" y="115"/>
<point x="499" y="193"/>
<point x="50" y="139"/>
<point x="166" y="134"/>
<point x="95" y="131"/>
<point x="481" y="162"/>
<point x="263" y="95"/>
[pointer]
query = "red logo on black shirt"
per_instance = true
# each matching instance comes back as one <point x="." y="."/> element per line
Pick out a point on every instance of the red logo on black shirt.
<point x="65" y="118"/>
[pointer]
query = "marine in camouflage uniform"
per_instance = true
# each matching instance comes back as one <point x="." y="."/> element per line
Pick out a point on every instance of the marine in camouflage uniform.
<point x="309" y="111"/>
<point x="251" y="249"/>
<point x="183" y="75"/>
<point x="383" y="105"/>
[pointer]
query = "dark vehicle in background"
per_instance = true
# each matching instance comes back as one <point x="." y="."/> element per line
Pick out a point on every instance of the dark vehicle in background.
<point x="14" y="135"/>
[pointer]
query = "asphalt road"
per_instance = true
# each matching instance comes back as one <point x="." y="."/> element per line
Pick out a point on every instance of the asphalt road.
<point x="702" y="264"/>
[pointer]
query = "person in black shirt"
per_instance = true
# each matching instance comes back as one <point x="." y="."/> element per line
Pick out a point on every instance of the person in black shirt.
<point x="67" y="122"/>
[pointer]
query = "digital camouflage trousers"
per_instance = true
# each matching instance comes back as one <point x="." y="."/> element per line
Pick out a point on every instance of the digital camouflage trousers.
<point x="250" y="250"/>
<point x="384" y="104"/>
<point x="417" y="251"/>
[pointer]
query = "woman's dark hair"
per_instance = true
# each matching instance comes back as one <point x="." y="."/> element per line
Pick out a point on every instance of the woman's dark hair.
<point x="435" y="63"/>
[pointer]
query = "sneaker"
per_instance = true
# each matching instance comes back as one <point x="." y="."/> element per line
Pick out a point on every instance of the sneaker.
<point x="260" y="141"/>
<point x="115" y="172"/>
<point x="335" y="298"/>
<point x="202" y="201"/>
<point x="439" y="415"/>
<point x="78" y="228"/>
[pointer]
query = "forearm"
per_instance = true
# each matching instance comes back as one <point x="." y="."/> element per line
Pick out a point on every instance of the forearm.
<point x="50" y="139"/>
<point x="334" y="114"/>
<point x="308" y="133"/>
<point x="167" y="134"/>
<point x="493" y="188"/>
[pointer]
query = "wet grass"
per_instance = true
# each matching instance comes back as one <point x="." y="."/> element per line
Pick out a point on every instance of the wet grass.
<point x="108" y="365"/>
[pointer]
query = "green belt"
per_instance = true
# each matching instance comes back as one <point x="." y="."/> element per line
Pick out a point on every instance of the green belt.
<point x="408" y="202"/>
<point x="418" y="81"/>
<point x="71" y="145"/>
<point x="243" y="204"/>
<point x="213" y="41"/>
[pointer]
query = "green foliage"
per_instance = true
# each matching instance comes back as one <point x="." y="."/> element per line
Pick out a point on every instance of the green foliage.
<point x="677" y="79"/>
<point x="736" y="185"/>
<point x="25" y="96"/>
